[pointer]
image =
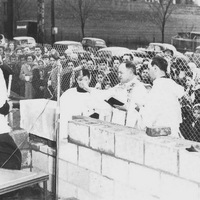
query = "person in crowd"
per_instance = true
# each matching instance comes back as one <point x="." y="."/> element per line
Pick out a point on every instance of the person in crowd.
<point x="53" y="77"/>
<point x="129" y="91"/>
<point x="12" y="47"/>
<point x="168" y="53"/>
<point x="189" y="96"/>
<point x="99" y="79"/>
<point x="18" y="52"/>
<point x="186" y="106"/>
<point x="195" y="71"/>
<point x="10" y="155"/>
<point x="181" y="68"/>
<point x="190" y="127"/>
<point x="21" y="61"/>
<point x="67" y="76"/>
<point x="26" y="50"/>
<point x="38" y="53"/>
<point x="127" y="57"/>
<point x="16" y="68"/>
<point x="113" y="74"/>
<point x="161" y="114"/>
<point x="26" y="75"/>
<point x="106" y="84"/>
<point x="7" y="53"/>
<point x="2" y="53"/>
<point x="196" y="124"/>
<point x="93" y="71"/>
<point x="144" y="74"/>
<point x="103" y="66"/>
<point x="45" y="58"/>
<point x="196" y="89"/>
<point x="38" y="80"/>
<point x="7" y="71"/>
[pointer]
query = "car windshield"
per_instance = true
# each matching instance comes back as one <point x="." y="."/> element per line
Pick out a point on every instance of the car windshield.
<point x="75" y="47"/>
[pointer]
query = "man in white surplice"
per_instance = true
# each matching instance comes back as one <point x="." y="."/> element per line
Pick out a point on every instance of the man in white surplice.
<point x="131" y="92"/>
<point x="80" y="100"/>
<point x="162" y="108"/>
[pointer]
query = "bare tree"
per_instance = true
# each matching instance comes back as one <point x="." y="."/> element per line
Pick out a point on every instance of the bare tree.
<point x="20" y="6"/>
<point x="161" y="10"/>
<point x="82" y="10"/>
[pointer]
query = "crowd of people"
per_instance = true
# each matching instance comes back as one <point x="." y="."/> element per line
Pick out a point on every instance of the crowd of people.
<point x="35" y="75"/>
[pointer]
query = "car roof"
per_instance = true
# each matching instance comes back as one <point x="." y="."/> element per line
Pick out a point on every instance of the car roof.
<point x="67" y="42"/>
<point x="116" y="51"/>
<point x="23" y="38"/>
<point x="165" y="45"/>
<point x="92" y="38"/>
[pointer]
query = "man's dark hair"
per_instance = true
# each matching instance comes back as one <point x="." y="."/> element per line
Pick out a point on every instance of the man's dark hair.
<point x="83" y="72"/>
<point x="131" y="65"/>
<point x="160" y="62"/>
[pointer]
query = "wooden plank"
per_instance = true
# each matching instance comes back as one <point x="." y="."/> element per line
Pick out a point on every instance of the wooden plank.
<point x="11" y="180"/>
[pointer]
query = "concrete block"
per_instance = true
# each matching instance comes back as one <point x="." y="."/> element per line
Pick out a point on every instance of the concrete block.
<point x="79" y="133"/>
<point x="63" y="170"/>
<point x="85" y="195"/>
<point x="174" y="188"/>
<point x="89" y="159"/>
<point x="26" y="158"/>
<point x="51" y="165"/>
<point x="44" y="149"/>
<point x="102" y="139"/>
<point x="51" y="183"/>
<point x="144" y="179"/>
<point x="101" y="186"/>
<point x="128" y="147"/>
<point x="189" y="165"/>
<point x="161" y="156"/>
<point x="40" y="118"/>
<point x="115" y="168"/>
<point x="68" y="152"/>
<point x="14" y="118"/>
<point x="40" y="161"/>
<point x="66" y="189"/>
<point x="122" y="191"/>
<point x="51" y="151"/>
<point x="78" y="176"/>
<point x="21" y="138"/>
<point x="127" y="193"/>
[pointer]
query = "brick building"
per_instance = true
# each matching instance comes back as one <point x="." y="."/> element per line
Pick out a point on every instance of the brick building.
<point x="119" y="22"/>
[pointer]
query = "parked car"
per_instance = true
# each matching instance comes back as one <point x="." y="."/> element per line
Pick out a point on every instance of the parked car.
<point x="65" y="46"/>
<point x="155" y="48"/>
<point x="94" y="43"/>
<point x="25" y="41"/>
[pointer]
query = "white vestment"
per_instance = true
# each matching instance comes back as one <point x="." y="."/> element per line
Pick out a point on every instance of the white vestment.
<point x="162" y="108"/>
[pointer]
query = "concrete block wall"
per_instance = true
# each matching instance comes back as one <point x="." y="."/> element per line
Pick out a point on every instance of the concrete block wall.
<point x="104" y="161"/>
<point x="116" y="162"/>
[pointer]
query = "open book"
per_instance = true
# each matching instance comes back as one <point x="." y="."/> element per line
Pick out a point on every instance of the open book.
<point x="112" y="101"/>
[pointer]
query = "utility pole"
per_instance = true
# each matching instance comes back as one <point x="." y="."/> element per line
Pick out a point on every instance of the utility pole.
<point x="40" y="22"/>
<point x="9" y="27"/>
<point x="52" y="22"/>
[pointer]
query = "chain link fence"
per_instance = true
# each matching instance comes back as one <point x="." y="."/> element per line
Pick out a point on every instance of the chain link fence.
<point x="46" y="61"/>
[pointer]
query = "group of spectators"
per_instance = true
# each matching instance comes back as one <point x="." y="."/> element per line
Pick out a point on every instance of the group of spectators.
<point x="35" y="75"/>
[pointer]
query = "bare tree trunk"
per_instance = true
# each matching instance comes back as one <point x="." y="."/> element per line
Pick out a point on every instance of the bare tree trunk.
<point x="83" y="29"/>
